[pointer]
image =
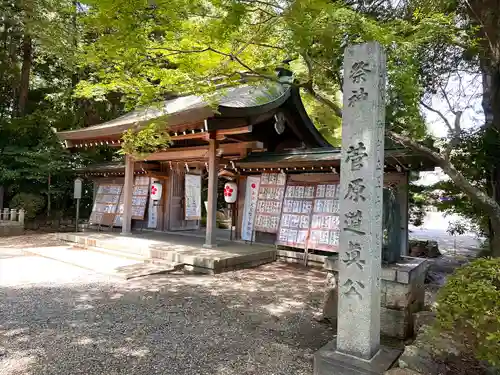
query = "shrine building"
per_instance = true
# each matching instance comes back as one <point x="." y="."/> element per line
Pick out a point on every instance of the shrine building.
<point x="284" y="174"/>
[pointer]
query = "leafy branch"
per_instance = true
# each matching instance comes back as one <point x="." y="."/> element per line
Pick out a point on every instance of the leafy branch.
<point x="152" y="138"/>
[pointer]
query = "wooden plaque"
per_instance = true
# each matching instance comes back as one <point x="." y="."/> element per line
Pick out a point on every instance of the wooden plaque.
<point x="325" y="223"/>
<point x="140" y="194"/>
<point x="296" y="214"/>
<point x="269" y="202"/>
<point x="105" y="204"/>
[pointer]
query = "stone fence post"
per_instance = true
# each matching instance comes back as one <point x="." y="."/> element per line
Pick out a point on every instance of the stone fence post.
<point x="21" y="217"/>
<point x="13" y="214"/>
<point x="5" y="214"/>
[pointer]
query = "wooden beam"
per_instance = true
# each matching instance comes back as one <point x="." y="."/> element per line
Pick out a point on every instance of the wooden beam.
<point x="186" y="126"/>
<point x="201" y="152"/>
<point x="291" y="165"/>
<point x="183" y="137"/>
<point x="236" y="148"/>
<point x="235" y="131"/>
<point x="180" y="154"/>
<point x="220" y="135"/>
<point x="157" y="174"/>
<point x="225" y="123"/>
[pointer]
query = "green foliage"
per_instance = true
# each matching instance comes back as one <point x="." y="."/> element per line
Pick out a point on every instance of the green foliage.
<point x="323" y="118"/>
<point x="469" y="306"/>
<point x="152" y="138"/>
<point x="472" y="156"/>
<point x="417" y="203"/>
<point x="31" y="203"/>
<point x="29" y="150"/>
<point x="458" y="228"/>
<point x="182" y="46"/>
<point x="31" y="157"/>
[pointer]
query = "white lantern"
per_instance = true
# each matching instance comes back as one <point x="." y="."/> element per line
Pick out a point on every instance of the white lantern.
<point x="156" y="189"/>
<point x="230" y="192"/>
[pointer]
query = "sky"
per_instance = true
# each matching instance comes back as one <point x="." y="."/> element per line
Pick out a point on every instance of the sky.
<point x="465" y="95"/>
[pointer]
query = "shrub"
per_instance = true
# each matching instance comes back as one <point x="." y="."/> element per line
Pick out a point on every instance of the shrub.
<point x="469" y="308"/>
<point x="31" y="203"/>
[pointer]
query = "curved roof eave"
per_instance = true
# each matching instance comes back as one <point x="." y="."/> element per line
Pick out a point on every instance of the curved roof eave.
<point x="314" y="138"/>
<point x="239" y="101"/>
<point x="250" y="103"/>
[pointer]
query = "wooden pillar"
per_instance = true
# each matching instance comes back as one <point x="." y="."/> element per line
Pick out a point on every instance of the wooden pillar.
<point x="127" y="195"/>
<point x="95" y="186"/>
<point x="213" y="172"/>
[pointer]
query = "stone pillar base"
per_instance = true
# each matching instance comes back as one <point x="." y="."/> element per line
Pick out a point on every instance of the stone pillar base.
<point x="327" y="361"/>
<point x="402" y="294"/>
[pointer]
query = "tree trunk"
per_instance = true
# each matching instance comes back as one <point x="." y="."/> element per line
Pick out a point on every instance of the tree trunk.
<point x="495" y="239"/>
<point x="25" y="74"/>
<point x="1" y="196"/>
<point x="13" y="54"/>
<point x="490" y="70"/>
<point x="48" y="197"/>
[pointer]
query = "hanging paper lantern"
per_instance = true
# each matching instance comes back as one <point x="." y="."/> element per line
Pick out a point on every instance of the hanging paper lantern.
<point x="230" y="192"/>
<point x="156" y="189"/>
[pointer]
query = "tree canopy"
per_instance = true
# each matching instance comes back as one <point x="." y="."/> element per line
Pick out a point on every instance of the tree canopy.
<point x="148" y="52"/>
<point x="68" y="65"/>
<point x="39" y="42"/>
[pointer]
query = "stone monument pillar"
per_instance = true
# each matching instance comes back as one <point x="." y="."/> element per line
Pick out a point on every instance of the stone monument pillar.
<point x="361" y="189"/>
<point x="356" y="349"/>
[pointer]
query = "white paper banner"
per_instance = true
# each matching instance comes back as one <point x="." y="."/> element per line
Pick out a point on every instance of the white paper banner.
<point x="152" y="211"/>
<point x="251" y="195"/>
<point x="193" y="197"/>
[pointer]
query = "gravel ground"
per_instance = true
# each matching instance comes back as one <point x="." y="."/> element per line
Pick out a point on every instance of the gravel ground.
<point x="59" y="319"/>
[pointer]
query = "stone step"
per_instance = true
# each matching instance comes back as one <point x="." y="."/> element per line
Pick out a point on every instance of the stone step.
<point x="175" y="249"/>
<point x="147" y="269"/>
<point x="152" y="254"/>
<point x="105" y="262"/>
<point x="148" y="266"/>
<point x="113" y="252"/>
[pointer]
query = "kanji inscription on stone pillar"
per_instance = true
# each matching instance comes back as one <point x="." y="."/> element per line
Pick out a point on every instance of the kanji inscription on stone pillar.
<point x="361" y="181"/>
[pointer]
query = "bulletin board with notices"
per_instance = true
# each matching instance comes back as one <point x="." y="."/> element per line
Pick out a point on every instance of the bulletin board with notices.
<point x="139" y="200"/>
<point x="105" y="204"/>
<point x="325" y="223"/>
<point x="269" y="202"/>
<point x="296" y="217"/>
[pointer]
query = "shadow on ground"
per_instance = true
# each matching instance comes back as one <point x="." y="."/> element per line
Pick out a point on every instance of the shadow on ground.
<point x="29" y="240"/>
<point x="256" y="321"/>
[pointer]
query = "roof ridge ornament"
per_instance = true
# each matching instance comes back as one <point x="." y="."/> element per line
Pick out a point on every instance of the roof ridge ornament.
<point x="279" y="122"/>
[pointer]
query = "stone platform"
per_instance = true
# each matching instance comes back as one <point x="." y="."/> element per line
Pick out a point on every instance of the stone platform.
<point x="180" y="249"/>
<point x="10" y="228"/>
<point x="402" y="294"/>
<point x="327" y="361"/>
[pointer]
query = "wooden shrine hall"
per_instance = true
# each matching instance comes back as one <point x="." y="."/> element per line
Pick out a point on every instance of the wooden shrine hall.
<point x="260" y="137"/>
